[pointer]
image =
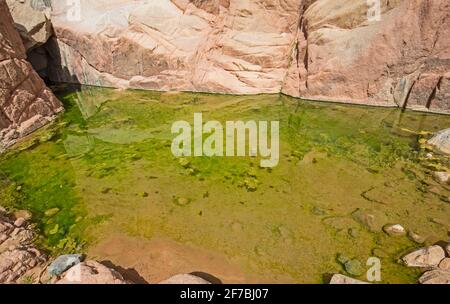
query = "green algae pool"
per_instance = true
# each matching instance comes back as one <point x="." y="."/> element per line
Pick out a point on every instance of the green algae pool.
<point x="106" y="166"/>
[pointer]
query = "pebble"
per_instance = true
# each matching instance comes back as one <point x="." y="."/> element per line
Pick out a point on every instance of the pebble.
<point x="19" y="222"/>
<point x="394" y="230"/>
<point x="416" y="237"/>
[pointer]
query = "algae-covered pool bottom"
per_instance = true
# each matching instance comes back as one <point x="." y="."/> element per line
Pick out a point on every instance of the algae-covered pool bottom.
<point x="102" y="179"/>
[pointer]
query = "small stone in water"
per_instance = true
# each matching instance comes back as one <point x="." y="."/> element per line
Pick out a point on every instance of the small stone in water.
<point x="184" y="162"/>
<point x="341" y="258"/>
<point x="51" y="212"/>
<point x="394" y="230"/>
<point x="354" y="267"/>
<point x="182" y="201"/>
<point x="416" y="237"/>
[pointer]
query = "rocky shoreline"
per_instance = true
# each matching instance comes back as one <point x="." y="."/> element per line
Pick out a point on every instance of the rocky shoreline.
<point x="21" y="262"/>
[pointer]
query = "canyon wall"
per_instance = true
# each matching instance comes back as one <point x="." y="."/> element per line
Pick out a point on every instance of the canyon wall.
<point x="25" y="101"/>
<point x="315" y="49"/>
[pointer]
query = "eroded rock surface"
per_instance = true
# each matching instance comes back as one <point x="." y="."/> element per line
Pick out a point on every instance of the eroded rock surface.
<point x="318" y="49"/>
<point x="426" y="257"/>
<point x="402" y="60"/>
<point x="25" y="101"/>
<point x="91" y="272"/>
<point x="33" y="16"/>
<point x="18" y="256"/>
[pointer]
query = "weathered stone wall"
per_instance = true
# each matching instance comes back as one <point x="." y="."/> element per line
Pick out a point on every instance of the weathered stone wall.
<point x="25" y="101"/>
<point x="318" y="49"/>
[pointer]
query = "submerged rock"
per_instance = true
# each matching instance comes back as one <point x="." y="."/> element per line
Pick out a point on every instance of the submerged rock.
<point x="425" y="257"/>
<point x="51" y="212"/>
<point x="416" y="237"/>
<point x="185" y="279"/>
<point x="64" y="262"/>
<point x="342" y="279"/>
<point x="395" y="230"/>
<point x="441" y="141"/>
<point x="354" y="268"/>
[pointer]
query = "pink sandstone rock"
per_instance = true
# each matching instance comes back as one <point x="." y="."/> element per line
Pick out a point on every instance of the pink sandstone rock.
<point x="316" y="49"/>
<point x="91" y="272"/>
<point x="25" y="101"/>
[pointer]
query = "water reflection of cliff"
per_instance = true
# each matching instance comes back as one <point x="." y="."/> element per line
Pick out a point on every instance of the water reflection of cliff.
<point x="89" y="101"/>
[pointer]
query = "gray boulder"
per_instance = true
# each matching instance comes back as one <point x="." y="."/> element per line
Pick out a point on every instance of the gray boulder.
<point x="63" y="263"/>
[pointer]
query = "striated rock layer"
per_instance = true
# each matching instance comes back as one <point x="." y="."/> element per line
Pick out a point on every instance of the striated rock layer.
<point x="317" y="49"/>
<point x="403" y="59"/>
<point x="25" y="101"/>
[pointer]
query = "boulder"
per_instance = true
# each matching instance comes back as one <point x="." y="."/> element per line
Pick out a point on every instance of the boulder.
<point x="340" y="54"/>
<point x="64" y="262"/>
<point x="91" y="272"/>
<point x="32" y="21"/>
<point x="447" y="249"/>
<point x="339" y="279"/>
<point x="25" y="101"/>
<point x="426" y="257"/>
<point x="185" y="279"/>
<point x="441" y="141"/>
<point x="435" y="277"/>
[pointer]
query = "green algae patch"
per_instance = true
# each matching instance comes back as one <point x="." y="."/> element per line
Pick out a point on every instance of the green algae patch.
<point x="344" y="173"/>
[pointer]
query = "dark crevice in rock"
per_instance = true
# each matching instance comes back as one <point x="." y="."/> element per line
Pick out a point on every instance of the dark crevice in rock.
<point x="433" y="94"/>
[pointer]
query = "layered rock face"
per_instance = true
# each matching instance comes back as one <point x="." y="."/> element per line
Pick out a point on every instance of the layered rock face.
<point x="403" y="59"/>
<point x="227" y="46"/>
<point x="317" y="49"/>
<point x="25" y="101"/>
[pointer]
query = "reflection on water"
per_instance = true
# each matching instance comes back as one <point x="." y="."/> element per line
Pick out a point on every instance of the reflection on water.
<point x="345" y="172"/>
